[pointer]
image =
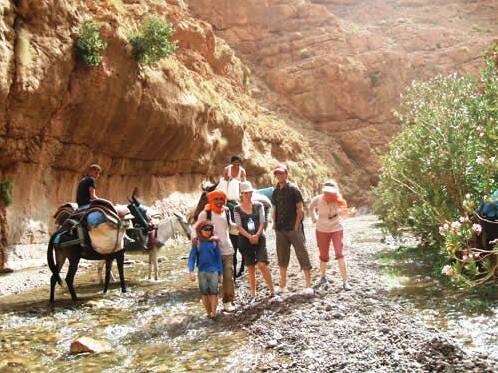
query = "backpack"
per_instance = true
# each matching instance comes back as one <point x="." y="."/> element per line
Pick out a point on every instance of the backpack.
<point x="233" y="231"/>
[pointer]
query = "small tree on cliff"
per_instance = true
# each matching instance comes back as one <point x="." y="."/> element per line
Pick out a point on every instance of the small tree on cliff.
<point x="152" y="42"/>
<point x="90" y="45"/>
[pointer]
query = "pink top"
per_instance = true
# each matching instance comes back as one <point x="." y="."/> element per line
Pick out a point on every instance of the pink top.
<point x="326" y="215"/>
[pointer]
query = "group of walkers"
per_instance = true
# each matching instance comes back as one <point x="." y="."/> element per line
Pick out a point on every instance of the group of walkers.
<point x="212" y="251"/>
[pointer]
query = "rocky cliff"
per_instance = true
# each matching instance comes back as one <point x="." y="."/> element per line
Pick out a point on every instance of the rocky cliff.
<point x="342" y="64"/>
<point x="161" y="128"/>
<point x="308" y="82"/>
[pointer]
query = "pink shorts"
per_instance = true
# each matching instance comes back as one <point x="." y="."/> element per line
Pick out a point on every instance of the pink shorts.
<point x="323" y="240"/>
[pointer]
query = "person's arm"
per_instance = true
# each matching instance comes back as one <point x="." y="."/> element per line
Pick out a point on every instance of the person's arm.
<point x="93" y="195"/>
<point x="238" y="222"/>
<point x="262" y="220"/>
<point x="202" y="216"/>
<point x="92" y="188"/>
<point x="242" y="174"/>
<point x="273" y="207"/>
<point x="191" y="262"/>
<point x="313" y="209"/>
<point x="299" y="208"/>
<point x="226" y="176"/>
<point x="217" y="253"/>
<point x="299" y="215"/>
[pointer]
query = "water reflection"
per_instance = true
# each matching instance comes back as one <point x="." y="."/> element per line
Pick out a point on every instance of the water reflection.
<point x="471" y="316"/>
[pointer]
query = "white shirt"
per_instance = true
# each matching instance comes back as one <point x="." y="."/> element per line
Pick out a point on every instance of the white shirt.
<point x="221" y="230"/>
<point x="328" y="215"/>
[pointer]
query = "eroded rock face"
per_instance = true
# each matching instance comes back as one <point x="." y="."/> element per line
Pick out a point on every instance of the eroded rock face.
<point x="342" y="64"/>
<point x="161" y="128"/>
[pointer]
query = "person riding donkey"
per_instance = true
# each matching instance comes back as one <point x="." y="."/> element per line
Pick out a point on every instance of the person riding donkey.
<point x="87" y="186"/>
<point x="219" y="215"/>
<point x="233" y="175"/>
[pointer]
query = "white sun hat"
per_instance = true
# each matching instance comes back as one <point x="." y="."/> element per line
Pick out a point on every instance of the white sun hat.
<point x="245" y="186"/>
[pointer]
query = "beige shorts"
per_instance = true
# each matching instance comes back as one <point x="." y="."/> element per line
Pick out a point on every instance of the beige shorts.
<point x="284" y="241"/>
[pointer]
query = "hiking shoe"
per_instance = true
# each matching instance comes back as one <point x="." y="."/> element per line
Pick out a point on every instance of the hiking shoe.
<point x="275" y="298"/>
<point x="346" y="286"/>
<point x="308" y="292"/>
<point x="228" y="307"/>
<point x="323" y="281"/>
<point x="280" y="291"/>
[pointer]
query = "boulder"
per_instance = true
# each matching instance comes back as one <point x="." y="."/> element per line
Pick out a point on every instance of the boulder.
<point x="89" y="345"/>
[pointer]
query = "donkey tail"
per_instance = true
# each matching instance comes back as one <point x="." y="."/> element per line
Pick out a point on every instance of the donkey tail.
<point x="50" y="258"/>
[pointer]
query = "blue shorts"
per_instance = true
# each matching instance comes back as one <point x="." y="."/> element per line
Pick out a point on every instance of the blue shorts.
<point x="208" y="282"/>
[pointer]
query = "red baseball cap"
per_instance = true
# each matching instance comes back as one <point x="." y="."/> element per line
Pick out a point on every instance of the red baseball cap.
<point x="280" y="168"/>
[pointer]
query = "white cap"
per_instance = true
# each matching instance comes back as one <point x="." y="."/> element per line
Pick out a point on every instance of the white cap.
<point x="245" y="186"/>
<point x="330" y="187"/>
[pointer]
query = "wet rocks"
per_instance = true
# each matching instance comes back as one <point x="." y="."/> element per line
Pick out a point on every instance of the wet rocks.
<point x="89" y="345"/>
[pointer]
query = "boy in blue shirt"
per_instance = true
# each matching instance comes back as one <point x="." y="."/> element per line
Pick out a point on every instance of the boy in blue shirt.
<point x="206" y="254"/>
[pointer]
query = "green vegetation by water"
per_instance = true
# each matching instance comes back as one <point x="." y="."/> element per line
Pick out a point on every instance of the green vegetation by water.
<point x="441" y="166"/>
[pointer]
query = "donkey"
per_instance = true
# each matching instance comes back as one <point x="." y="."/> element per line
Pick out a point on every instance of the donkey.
<point x="74" y="252"/>
<point x="165" y="230"/>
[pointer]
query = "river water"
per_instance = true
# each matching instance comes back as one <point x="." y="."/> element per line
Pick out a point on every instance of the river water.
<point x="156" y="327"/>
<point x="160" y="326"/>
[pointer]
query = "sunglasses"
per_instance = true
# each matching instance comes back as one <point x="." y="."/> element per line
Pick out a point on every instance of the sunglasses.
<point x="207" y="229"/>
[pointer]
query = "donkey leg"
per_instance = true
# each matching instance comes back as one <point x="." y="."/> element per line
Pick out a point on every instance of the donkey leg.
<point x="120" y="260"/>
<point x="53" y="282"/>
<point x="100" y="271"/>
<point x="71" y="272"/>
<point x="108" y="266"/>
<point x="150" y="263"/>
<point x="59" y="262"/>
<point x="154" y="262"/>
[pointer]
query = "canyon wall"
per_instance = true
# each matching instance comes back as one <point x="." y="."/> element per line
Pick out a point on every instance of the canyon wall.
<point x="312" y="83"/>
<point x="341" y="65"/>
<point x="161" y="128"/>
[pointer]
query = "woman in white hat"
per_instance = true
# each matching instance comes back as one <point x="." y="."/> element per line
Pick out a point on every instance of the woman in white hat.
<point x="250" y="219"/>
<point x="326" y="210"/>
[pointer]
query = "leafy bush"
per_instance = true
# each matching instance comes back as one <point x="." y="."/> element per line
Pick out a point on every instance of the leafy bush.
<point x="6" y="192"/>
<point x="153" y="43"/>
<point x="443" y="163"/>
<point x="90" y="45"/>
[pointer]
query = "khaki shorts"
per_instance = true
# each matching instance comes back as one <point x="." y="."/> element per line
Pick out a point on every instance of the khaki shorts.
<point x="284" y="241"/>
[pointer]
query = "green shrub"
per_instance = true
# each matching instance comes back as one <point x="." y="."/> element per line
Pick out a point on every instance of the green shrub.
<point x="153" y="43"/>
<point x="6" y="192"/>
<point x="90" y="45"/>
<point x="442" y="165"/>
<point x="374" y="77"/>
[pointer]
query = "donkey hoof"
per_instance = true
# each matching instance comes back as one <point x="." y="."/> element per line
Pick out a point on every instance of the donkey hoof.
<point x="124" y="291"/>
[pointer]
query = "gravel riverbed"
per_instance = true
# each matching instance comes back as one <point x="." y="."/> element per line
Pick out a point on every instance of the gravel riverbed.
<point x="360" y="330"/>
<point x="365" y="329"/>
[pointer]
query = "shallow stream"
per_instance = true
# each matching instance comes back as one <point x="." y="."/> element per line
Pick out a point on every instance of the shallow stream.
<point x="470" y="316"/>
<point x="160" y="326"/>
<point x="155" y="327"/>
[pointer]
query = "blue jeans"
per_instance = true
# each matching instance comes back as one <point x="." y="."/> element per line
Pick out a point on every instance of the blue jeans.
<point x="208" y="282"/>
